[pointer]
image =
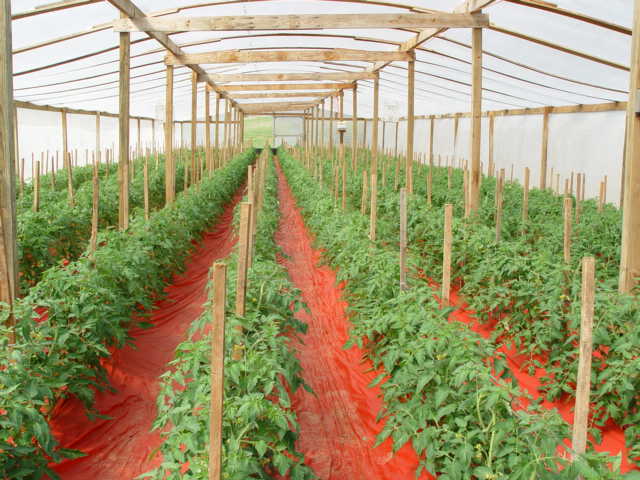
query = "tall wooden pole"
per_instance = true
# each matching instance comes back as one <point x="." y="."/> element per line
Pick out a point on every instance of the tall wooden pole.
<point x="476" y="120"/>
<point x="374" y="160"/>
<point x="65" y="135"/>
<point x="8" y="248"/>
<point x="207" y="128"/>
<point x="354" y="127"/>
<point x="544" y="151"/>
<point x="194" y="126"/>
<point x="630" y="254"/>
<point x="411" y="94"/>
<point x="217" y="134"/>
<point x="169" y="168"/>
<point x="491" y="166"/>
<point x="98" y="140"/>
<point x="125" y="73"/>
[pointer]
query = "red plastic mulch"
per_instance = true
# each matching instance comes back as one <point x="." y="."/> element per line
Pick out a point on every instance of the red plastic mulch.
<point x="124" y="447"/>
<point x="612" y="435"/>
<point x="338" y="423"/>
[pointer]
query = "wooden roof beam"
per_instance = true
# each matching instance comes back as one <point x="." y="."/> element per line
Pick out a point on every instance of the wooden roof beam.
<point x="301" y="22"/>
<point x="285" y="77"/>
<point x="285" y="86"/>
<point x="323" y="94"/>
<point x="310" y="55"/>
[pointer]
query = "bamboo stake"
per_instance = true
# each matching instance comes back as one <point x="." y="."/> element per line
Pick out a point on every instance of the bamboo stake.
<point x="36" y="186"/>
<point x="403" y="238"/>
<point x="446" y="255"/>
<point x="243" y="257"/>
<point x="583" y="385"/>
<point x="568" y="203"/>
<point x="217" y="370"/>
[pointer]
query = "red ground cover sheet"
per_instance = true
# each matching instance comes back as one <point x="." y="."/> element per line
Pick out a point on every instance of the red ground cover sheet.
<point x="612" y="435"/>
<point x="124" y="446"/>
<point x="338" y="426"/>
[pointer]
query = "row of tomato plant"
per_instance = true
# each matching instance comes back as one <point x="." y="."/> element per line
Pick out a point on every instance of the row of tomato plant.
<point x="60" y="232"/>
<point x="445" y="388"/>
<point x="67" y="323"/>
<point x="523" y="289"/>
<point x="259" y="426"/>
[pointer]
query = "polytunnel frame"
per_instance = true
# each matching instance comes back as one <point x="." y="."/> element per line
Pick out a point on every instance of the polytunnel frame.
<point x="234" y="112"/>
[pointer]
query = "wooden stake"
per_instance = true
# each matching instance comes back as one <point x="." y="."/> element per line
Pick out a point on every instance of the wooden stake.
<point x="36" y="186"/>
<point x="430" y="186"/>
<point x="217" y="370"/>
<point x="525" y="196"/>
<point x="583" y="384"/>
<point x="499" y="192"/>
<point x="446" y="255"/>
<point x="473" y="195"/>
<point x="373" y="212"/>
<point x="243" y="257"/>
<point x="403" y="239"/>
<point x="123" y="131"/>
<point x="93" y="244"/>
<point x="374" y="161"/>
<point x="145" y="173"/>
<point x="544" y="151"/>
<point x="194" y="120"/>
<point x="491" y="145"/>
<point x="465" y="192"/>
<point x="365" y="188"/>
<point x="568" y="203"/>
<point x="579" y="195"/>
<point x="207" y="130"/>
<point x="70" y="195"/>
<point x="354" y="127"/>
<point x="411" y="82"/>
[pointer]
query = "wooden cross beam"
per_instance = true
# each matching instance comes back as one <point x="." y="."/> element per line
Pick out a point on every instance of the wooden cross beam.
<point x="302" y="22"/>
<point x="238" y="96"/>
<point x="310" y="55"/>
<point x="287" y="77"/>
<point x="285" y="86"/>
<point x="256" y="108"/>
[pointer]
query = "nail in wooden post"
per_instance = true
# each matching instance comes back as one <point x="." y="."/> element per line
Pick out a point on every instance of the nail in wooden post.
<point x="403" y="239"/>
<point x="583" y="384"/>
<point x="568" y="203"/>
<point x="217" y="370"/>
<point x="525" y="196"/>
<point x="446" y="255"/>
<point x="36" y="186"/>
<point x="145" y="172"/>
<point x="95" y="210"/>
<point x="243" y="257"/>
<point x="499" y="192"/>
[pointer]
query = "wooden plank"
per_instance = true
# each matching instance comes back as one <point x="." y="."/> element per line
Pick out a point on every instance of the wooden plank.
<point x="630" y="254"/>
<point x="403" y="239"/>
<point x="74" y="111"/>
<point x="282" y="94"/>
<point x="169" y="167"/>
<point x="446" y="253"/>
<point x="411" y="99"/>
<point x="566" y="244"/>
<point x="95" y="209"/>
<point x="301" y="22"/>
<point x="583" y="383"/>
<point x="217" y="370"/>
<point x="123" y="129"/>
<point x="285" y="86"/>
<point x="544" y="151"/>
<point x="373" y="218"/>
<point x="476" y="121"/>
<point x="52" y="7"/>
<point x="8" y="247"/>
<point x="243" y="256"/>
<point x="310" y="55"/>
<point x="288" y="77"/>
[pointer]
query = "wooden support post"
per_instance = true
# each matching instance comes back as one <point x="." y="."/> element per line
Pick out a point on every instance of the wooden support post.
<point x="568" y="203"/>
<point x="207" y="129"/>
<point x="139" y="142"/>
<point x="579" y="196"/>
<point x="324" y="139"/>
<point x="491" y="166"/>
<point x="499" y="191"/>
<point x="169" y="165"/>
<point x="53" y="172"/>
<point x="446" y="253"/>
<point x="525" y="196"/>
<point x="145" y="173"/>
<point x="430" y="186"/>
<point x="98" y="140"/>
<point x="374" y="161"/>
<point x="124" y="87"/>
<point x="354" y="128"/>
<point x="194" y="126"/>
<point x="466" y="192"/>
<point x="583" y="383"/>
<point x="365" y="188"/>
<point x="95" y="207"/>
<point x="65" y="136"/>
<point x="476" y="120"/>
<point x="8" y="247"/>
<point x="243" y="256"/>
<point x="411" y="95"/>
<point x="403" y="239"/>
<point x="343" y="166"/>
<point x="217" y="370"/>
<point x="544" y="151"/>
<point x="36" y="186"/>
<point x="70" y="194"/>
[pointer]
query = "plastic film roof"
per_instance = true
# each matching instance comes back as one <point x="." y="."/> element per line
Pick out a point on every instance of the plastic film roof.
<point x="82" y="72"/>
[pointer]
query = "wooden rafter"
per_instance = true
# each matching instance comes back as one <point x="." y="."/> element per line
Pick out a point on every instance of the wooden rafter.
<point x="301" y="22"/>
<point x="285" y="77"/>
<point x="238" y="96"/>
<point x="52" y="7"/>
<point x="285" y="86"/>
<point x="310" y="55"/>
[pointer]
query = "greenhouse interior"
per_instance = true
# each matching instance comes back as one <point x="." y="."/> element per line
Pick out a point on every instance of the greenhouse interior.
<point x="320" y="239"/>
